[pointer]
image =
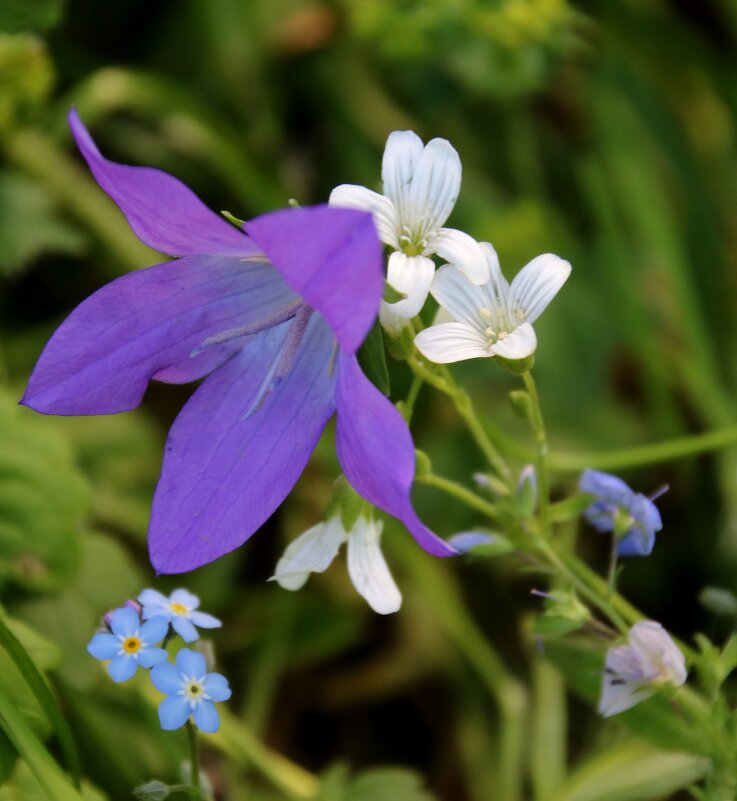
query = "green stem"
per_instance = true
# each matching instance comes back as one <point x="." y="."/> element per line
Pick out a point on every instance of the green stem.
<point x="541" y="460"/>
<point x="612" y="572"/>
<point x="194" y="759"/>
<point x="463" y="494"/>
<point x="677" y="448"/>
<point x="414" y="391"/>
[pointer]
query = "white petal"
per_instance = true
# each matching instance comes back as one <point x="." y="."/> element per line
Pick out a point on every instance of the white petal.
<point x="497" y="286"/>
<point x="401" y="154"/>
<point x="390" y="321"/>
<point x="350" y="196"/>
<point x="451" y="342"/>
<point x="454" y="292"/>
<point x="368" y="569"/>
<point x="311" y="552"/>
<point x="536" y="284"/>
<point x="618" y="696"/>
<point x="658" y="651"/>
<point x="520" y="344"/>
<point x="434" y="188"/>
<point x="464" y="252"/>
<point x="412" y="276"/>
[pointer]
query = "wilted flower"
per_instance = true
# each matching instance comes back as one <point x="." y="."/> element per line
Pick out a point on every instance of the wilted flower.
<point x="315" y="550"/>
<point x="635" y="671"/>
<point x="191" y="691"/>
<point x="421" y="185"/>
<point x="130" y="644"/>
<point x="180" y="609"/>
<point x="494" y="319"/>
<point x="273" y="320"/>
<point x="632" y="517"/>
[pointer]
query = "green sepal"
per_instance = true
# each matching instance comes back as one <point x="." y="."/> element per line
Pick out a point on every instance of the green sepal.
<point x="347" y="503"/>
<point x="517" y="366"/>
<point x="372" y="358"/>
<point x="392" y="295"/>
<point x="498" y="547"/>
<point x="521" y="403"/>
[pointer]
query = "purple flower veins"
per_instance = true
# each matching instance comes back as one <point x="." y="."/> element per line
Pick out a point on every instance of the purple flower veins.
<point x="272" y="319"/>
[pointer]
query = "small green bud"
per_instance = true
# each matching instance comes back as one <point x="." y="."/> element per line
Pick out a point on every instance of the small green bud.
<point x="521" y="403"/>
<point x="423" y="465"/>
<point x="231" y="218"/>
<point x="152" y="791"/>
<point x="718" y="601"/>
<point x="346" y="502"/>
<point x="563" y="613"/>
<point x="517" y="366"/>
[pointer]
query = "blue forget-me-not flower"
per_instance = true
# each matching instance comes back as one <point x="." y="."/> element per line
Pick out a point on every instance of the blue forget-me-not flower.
<point x="130" y="643"/>
<point x="180" y="609"/>
<point x="190" y="692"/>
<point x="632" y="517"/>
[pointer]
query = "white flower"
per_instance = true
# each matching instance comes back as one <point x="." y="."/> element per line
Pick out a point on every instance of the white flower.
<point x="314" y="551"/>
<point x="421" y="185"/>
<point x="181" y="609"/>
<point x="633" y="672"/>
<point x="494" y="319"/>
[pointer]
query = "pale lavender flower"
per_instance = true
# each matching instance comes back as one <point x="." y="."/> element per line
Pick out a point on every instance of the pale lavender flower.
<point x="635" y="671"/>
<point x="272" y="318"/>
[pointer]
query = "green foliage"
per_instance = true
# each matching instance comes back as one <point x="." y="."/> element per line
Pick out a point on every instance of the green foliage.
<point x="30" y="225"/>
<point x="43" y="502"/>
<point x="26" y="73"/>
<point x="376" y="784"/>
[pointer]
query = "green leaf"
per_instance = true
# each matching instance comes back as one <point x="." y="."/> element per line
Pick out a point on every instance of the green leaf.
<point x="372" y="358"/>
<point x="24" y="16"/>
<point x="632" y="771"/>
<point x="381" y="784"/>
<point x="29" y="225"/>
<point x="43" y="695"/>
<point x="45" y="769"/>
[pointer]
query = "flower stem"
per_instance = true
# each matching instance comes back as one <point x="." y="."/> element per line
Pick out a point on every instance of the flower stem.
<point x="538" y="428"/>
<point x="612" y="572"/>
<point x="194" y="759"/>
<point x="463" y="494"/>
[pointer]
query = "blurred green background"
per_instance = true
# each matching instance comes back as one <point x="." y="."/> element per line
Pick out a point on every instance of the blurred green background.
<point x="603" y="131"/>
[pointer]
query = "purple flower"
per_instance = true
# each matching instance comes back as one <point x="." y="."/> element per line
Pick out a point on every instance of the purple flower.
<point x="273" y="319"/>
<point x="633" y="517"/>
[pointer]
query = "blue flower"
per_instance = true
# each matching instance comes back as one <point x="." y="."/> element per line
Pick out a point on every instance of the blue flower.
<point x="633" y="517"/>
<point x="180" y="608"/>
<point x="130" y="644"/>
<point x="191" y="691"/>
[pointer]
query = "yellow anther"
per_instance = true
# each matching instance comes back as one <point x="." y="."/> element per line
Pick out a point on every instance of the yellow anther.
<point x="131" y="645"/>
<point x="178" y="609"/>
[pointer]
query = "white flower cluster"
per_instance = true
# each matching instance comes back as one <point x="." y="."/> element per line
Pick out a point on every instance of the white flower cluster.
<point x="486" y="316"/>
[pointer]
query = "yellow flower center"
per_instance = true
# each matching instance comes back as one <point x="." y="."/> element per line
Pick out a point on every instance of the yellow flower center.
<point x="131" y="645"/>
<point x="194" y="690"/>
<point x="178" y="609"/>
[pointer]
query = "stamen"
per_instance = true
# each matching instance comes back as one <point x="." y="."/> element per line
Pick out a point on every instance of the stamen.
<point x="490" y="332"/>
<point x="485" y="313"/>
<point x="284" y="363"/>
<point x="287" y="313"/>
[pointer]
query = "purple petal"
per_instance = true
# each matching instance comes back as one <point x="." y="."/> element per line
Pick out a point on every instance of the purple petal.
<point x="206" y="717"/>
<point x="167" y="678"/>
<point x="184" y="628"/>
<point x="333" y="259"/>
<point x="191" y="664"/>
<point x="376" y="451"/>
<point x="173" y="712"/>
<point x="122" y="668"/>
<point x="147" y="324"/>
<point x="161" y="210"/>
<point x="124" y="622"/>
<point x="155" y="629"/>
<point x="230" y="460"/>
<point x="148" y="657"/>
<point x="217" y="687"/>
<point x="104" y="646"/>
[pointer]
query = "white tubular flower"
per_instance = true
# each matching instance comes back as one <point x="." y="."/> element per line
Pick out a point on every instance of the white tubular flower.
<point x="634" y="672"/>
<point x="494" y="319"/>
<point x="421" y="185"/>
<point x="315" y="550"/>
